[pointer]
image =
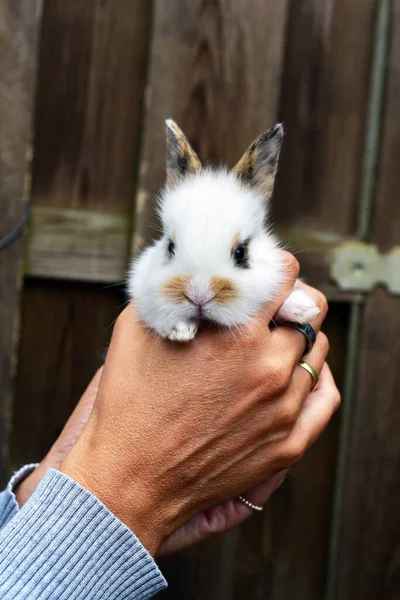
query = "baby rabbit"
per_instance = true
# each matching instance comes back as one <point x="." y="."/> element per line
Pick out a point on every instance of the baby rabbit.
<point x="217" y="259"/>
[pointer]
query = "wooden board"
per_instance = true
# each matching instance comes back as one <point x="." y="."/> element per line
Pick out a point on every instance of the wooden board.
<point x="93" y="61"/>
<point x="77" y="244"/>
<point x="19" y="23"/>
<point x="215" y="68"/>
<point x="221" y="73"/>
<point x="370" y="545"/>
<point x="323" y="106"/>
<point x="87" y="245"/>
<point x="65" y="328"/>
<point x="90" y="89"/>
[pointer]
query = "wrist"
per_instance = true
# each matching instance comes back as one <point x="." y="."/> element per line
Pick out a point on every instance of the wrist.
<point x="25" y="488"/>
<point x="127" y="500"/>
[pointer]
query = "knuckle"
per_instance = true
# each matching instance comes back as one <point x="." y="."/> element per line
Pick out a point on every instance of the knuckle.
<point x="280" y="375"/>
<point x="292" y="264"/>
<point x="288" y="413"/>
<point x="321" y="302"/>
<point x="337" y="399"/>
<point x="324" y="342"/>
<point x="294" y="450"/>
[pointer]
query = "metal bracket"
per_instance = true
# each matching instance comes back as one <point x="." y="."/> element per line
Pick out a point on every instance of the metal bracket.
<point x="359" y="267"/>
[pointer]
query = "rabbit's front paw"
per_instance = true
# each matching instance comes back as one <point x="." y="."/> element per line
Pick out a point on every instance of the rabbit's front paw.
<point x="298" y="307"/>
<point x="182" y="332"/>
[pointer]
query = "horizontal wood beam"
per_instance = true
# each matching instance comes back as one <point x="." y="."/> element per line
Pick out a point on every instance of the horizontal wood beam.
<point x="75" y="244"/>
<point x="94" y="246"/>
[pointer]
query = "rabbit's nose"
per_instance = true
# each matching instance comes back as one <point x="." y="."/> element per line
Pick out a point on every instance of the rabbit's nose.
<point x="199" y="297"/>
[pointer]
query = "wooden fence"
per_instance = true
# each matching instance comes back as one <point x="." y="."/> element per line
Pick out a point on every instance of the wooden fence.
<point x="102" y="75"/>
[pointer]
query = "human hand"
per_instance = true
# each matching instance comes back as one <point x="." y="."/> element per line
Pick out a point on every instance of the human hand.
<point x="200" y="527"/>
<point x="221" y="519"/>
<point x="225" y="432"/>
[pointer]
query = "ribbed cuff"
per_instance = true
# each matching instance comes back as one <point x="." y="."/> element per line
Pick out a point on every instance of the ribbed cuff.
<point x="8" y="502"/>
<point x="65" y="544"/>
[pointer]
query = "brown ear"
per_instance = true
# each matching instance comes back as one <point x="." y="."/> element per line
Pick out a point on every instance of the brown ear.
<point x="181" y="158"/>
<point x="259" y="164"/>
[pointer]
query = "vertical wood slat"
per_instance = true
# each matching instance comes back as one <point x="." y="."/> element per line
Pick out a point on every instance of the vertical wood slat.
<point x="93" y="64"/>
<point x="370" y="542"/>
<point x="215" y="67"/>
<point x="203" y="72"/>
<point x="60" y="350"/>
<point x="323" y="105"/>
<point x="19" y="25"/>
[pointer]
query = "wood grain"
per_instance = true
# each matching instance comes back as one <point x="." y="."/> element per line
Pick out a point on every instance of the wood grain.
<point x="225" y="71"/>
<point x="90" y="89"/>
<point x="93" y="61"/>
<point x="370" y="545"/>
<point x="78" y="244"/>
<point x="19" y="23"/>
<point x="88" y="245"/>
<point x="215" y="68"/>
<point x="65" y="328"/>
<point x="217" y="72"/>
<point x="323" y="106"/>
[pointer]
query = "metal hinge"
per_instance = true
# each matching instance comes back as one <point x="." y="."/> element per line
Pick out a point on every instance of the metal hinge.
<point x="359" y="267"/>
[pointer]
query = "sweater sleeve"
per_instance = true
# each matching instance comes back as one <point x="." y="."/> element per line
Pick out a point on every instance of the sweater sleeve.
<point x="8" y="503"/>
<point x="65" y="544"/>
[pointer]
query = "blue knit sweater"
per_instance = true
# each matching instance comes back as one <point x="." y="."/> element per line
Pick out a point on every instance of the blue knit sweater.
<point x="65" y="544"/>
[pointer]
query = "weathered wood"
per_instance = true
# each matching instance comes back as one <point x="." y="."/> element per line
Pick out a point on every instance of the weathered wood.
<point x="90" y="89"/>
<point x="225" y="71"/>
<point x="76" y="244"/>
<point x="215" y="68"/>
<point x="218" y="73"/>
<point x="93" y="246"/>
<point x="19" y="23"/>
<point x="93" y="62"/>
<point x="65" y="328"/>
<point x="323" y="107"/>
<point x="370" y="544"/>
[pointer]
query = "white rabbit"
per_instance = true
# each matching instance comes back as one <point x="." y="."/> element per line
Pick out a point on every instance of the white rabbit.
<point x="217" y="259"/>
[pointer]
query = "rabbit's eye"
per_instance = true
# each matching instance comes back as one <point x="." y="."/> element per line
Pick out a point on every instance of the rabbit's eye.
<point x="240" y="256"/>
<point x="171" y="249"/>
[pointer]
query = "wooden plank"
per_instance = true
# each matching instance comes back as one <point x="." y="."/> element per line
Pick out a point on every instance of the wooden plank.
<point x="323" y="106"/>
<point x="93" y="246"/>
<point x="90" y="89"/>
<point x="216" y="72"/>
<point x="65" y="328"/>
<point x="76" y="244"/>
<point x="370" y="543"/>
<point x="19" y="23"/>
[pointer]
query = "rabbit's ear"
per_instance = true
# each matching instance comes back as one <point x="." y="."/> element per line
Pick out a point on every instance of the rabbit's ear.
<point x="181" y="158"/>
<point x="259" y="164"/>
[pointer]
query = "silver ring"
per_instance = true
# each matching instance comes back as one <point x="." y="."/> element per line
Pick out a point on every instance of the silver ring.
<point x="307" y="330"/>
<point x="250" y="504"/>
